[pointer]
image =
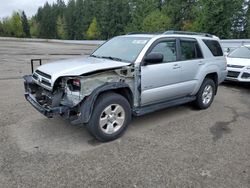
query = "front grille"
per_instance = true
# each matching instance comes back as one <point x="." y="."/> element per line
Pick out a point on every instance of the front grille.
<point x="235" y="66"/>
<point x="233" y="74"/>
<point x="245" y="75"/>
<point x="35" y="76"/>
<point x="43" y="74"/>
<point x="46" y="83"/>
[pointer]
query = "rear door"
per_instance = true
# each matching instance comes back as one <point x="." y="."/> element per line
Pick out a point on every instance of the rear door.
<point x="191" y="61"/>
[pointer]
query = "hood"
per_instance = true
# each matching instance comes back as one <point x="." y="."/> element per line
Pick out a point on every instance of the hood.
<point x="77" y="67"/>
<point x="238" y="61"/>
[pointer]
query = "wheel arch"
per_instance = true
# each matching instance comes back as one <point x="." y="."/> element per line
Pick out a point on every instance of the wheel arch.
<point x="88" y="103"/>
<point x="213" y="76"/>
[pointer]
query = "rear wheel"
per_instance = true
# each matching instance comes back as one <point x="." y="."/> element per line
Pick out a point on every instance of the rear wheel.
<point x="110" y="117"/>
<point x="206" y="94"/>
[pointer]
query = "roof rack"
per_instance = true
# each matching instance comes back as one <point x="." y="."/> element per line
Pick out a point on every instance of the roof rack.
<point x="188" y="33"/>
<point x="143" y="33"/>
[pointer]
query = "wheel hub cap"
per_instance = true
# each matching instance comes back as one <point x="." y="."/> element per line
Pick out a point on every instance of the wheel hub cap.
<point x="112" y="119"/>
<point x="207" y="94"/>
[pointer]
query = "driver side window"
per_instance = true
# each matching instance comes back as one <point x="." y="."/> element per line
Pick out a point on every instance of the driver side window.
<point x="168" y="49"/>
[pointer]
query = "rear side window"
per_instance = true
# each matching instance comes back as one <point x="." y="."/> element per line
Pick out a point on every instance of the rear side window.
<point x="190" y="49"/>
<point x="214" y="47"/>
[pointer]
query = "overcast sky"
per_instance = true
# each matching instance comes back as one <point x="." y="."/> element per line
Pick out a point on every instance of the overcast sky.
<point x="29" y="6"/>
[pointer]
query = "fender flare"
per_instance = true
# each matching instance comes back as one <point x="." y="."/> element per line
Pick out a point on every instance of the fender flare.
<point x="87" y="104"/>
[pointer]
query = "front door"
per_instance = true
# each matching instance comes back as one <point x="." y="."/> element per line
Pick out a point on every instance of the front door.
<point x="161" y="82"/>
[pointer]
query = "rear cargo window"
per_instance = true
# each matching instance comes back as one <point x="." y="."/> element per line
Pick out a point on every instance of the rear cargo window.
<point x="214" y="47"/>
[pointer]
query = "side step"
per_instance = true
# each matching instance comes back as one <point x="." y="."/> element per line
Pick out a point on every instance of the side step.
<point x="159" y="106"/>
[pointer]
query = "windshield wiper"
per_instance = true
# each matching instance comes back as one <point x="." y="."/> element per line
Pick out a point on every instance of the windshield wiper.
<point x="108" y="57"/>
<point x="95" y="56"/>
<point x="112" y="58"/>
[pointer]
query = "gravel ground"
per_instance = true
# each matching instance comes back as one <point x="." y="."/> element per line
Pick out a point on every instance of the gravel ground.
<point x="176" y="147"/>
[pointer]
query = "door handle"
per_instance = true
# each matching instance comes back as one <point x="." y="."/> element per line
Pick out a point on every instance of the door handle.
<point x="176" y="66"/>
<point x="201" y="63"/>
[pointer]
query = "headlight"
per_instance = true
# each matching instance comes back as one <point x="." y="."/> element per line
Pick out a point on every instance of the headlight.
<point x="248" y="67"/>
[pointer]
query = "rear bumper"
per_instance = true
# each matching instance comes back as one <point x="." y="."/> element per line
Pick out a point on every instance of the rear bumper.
<point x="48" y="112"/>
<point x="223" y="76"/>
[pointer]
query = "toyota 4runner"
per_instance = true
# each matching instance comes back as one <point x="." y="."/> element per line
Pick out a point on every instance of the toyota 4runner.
<point x="134" y="74"/>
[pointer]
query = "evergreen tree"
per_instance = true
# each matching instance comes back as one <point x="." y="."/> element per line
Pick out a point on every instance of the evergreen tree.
<point x="33" y="27"/>
<point x="217" y="17"/>
<point x="139" y="9"/>
<point x="116" y="17"/>
<point x="61" y="28"/>
<point x="1" y="29"/>
<point x="16" y="25"/>
<point x="156" y="22"/>
<point x="93" y="31"/>
<point x="79" y="13"/>
<point x="181" y="12"/>
<point x="25" y="23"/>
<point x="113" y="16"/>
<point x="46" y="20"/>
<point x="70" y="17"/>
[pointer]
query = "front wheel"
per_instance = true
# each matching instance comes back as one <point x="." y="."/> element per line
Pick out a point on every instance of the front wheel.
<point x="110" y="117"/>
<point x="206" y="94"/>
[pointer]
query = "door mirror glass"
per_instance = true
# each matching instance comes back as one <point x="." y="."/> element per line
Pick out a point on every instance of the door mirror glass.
<point x="153" y="58"/>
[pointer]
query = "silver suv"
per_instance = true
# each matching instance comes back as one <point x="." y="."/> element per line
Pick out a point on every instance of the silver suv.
<point x="134" y="74"/>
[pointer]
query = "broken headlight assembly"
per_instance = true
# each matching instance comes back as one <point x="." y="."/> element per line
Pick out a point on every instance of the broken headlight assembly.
<point x="74" y="85"/>
<point x="72" y="91"/>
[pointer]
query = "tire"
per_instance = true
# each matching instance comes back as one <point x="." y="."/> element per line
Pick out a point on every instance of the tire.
<point x="110" y="117"/>
<point x="206" y="94"/>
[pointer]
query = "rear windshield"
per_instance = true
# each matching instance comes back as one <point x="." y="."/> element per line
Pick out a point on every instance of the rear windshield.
<point x="214" y="47"/>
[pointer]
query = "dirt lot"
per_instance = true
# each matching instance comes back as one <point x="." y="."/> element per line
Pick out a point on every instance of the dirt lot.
<point x="176" y="147"/>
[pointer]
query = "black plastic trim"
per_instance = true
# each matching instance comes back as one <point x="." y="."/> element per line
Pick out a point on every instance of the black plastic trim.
<point x="159" y="106"/>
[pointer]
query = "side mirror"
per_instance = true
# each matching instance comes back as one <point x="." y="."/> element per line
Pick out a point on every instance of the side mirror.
<point x="153" y="58"/>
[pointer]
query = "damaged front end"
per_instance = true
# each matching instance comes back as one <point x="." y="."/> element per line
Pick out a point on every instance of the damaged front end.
<point x="73" y="97"/>
<point x="45" y="101"/>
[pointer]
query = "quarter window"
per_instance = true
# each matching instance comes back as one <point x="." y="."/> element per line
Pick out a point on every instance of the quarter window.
<point x="214" y="47"/>
<point x="190" y="49"/>
<point x="168" y="49"/>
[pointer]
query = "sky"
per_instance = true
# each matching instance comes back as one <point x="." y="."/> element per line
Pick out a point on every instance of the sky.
<point x="29" y="6"/>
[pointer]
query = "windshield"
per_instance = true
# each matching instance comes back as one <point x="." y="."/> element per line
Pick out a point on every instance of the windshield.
<point x="242" y="52"/>
<point x="124" y="49"/>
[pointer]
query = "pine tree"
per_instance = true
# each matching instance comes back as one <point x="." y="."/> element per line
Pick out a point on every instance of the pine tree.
<point x="139" y="9"/>
<point x="25" y="23"/>
<point x="218" y="17"/>
<point x="93" y="32"/>
<point x="156" y="22"/>
<point x="33" y="27"/>
<point x="181" y="13"/>
<point x="70" y="18"/>
<point x="61" y="28"/>
<point x="16" y="25"/>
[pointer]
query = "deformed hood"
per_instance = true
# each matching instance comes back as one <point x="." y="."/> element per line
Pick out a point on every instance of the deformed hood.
<point x="79" y="66"/>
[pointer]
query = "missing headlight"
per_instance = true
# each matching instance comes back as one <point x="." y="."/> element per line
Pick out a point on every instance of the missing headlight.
<point x="74" y="84"/>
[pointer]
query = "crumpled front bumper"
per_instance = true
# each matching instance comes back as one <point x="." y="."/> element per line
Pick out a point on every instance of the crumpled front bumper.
<point x="46" y="111"/>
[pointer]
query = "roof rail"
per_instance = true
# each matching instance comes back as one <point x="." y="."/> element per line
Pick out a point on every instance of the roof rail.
<point x="187" y="33"/>
<point x="138" y="33"/>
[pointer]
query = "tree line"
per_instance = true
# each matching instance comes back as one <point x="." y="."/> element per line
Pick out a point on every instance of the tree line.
<point x="103" y="19"/>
